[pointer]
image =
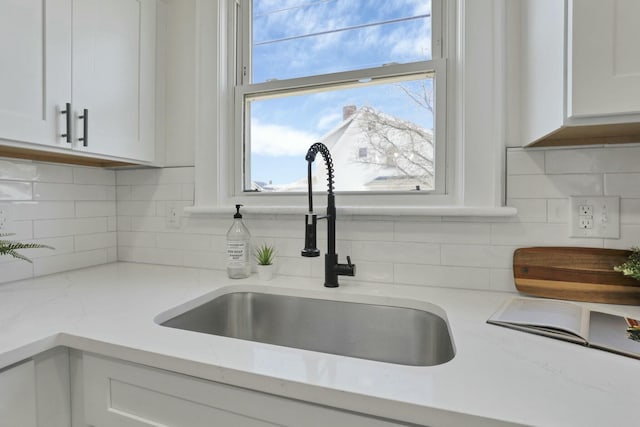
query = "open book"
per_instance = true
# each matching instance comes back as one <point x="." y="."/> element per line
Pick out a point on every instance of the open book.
<point x="570" y="322"/>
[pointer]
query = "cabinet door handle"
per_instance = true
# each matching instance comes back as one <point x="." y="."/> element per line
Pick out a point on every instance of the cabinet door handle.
<point x="67" y="113"/>
<point x="85" y="127"/>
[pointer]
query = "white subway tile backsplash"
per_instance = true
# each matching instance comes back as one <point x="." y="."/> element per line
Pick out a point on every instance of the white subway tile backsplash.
<point x="64" y="262"/>
<point x="528" y="234"/>
<point x="433" y="275"/>
<point x="135" y="239"/>
<point x="156" y="192"/>
<point x="156" y="176"/>
<point x="554" y="186"/>
<point x="369" y="271"/>
<point x="48" y="191"/>
<point x="87" y="242"/>
<point x="123" y="223"/>
<point x="630" y="211"/>
<point x="112" y="223"/>
<point x="396" y="252"/>
<point x="136" y="208"/>
<point x="13" y="269"/>
<point x="69" y="227"/>
<point x="97" y="176"/>
<point x="629" y="236"/>
<point x="78" y="210"/>
<point x="66" y="207"/>
<point x="558" y="210"/>
<point x="523" y="162"/>
<point x="123" y="192"/>
<point x="192" y="242"/>
<point x="529" y="210"/>
<point x="10" y="170"/>
<point x="489" y="256"/>
<point x="294" y="266"/>
<point x="14" y="190"/>
<point x="188" y="191"/>
<point x="32" y="171"/>
<point x="593" y="160"/>
<point x="19" y="230"/>
<point x="60" y="245"/>
<point x="95" y="208"/>
<point x="622" y="184"/>
<point x="43" y="210"/>
<point x="442" y="232"/>
<point x="502" y="280"/>
<point x="151" y="255"/>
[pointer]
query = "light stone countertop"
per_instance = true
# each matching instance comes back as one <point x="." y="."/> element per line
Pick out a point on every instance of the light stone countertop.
<point x="497" y="373"/>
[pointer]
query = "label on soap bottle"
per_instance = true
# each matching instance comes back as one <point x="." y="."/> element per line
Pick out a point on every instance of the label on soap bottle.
<point x="236" y="254"/>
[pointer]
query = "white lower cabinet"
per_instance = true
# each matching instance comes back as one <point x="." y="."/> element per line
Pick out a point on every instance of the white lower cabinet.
<point x="18" y="395"/>
<point x="122" y="394"/>
<point x="35" y="393"/>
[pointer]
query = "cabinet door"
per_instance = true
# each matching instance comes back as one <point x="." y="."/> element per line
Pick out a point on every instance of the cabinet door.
<point x="604" y="58"/>
<point x="114" y="76"/>
<point x="35" y="70"/>
<point x="18" y="396"/>
<point x="123" y="394"/>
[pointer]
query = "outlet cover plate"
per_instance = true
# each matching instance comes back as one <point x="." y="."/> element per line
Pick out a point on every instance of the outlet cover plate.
<point x="594" y="216"/>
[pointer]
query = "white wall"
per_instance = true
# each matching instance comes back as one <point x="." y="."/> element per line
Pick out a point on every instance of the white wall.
<point x="71" y="208"/>
<point x="427" y="251"/>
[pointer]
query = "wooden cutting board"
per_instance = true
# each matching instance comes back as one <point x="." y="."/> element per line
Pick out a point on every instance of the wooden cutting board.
<point x="578" y="274"/>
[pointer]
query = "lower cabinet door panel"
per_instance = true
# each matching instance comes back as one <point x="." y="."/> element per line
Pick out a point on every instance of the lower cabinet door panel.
<point x="123" y="394"/>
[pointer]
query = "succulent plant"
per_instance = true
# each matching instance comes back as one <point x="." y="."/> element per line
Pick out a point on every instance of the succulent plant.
<point x="265" y="254"/>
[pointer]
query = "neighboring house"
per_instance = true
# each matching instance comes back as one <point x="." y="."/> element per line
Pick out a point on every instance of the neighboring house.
<point x="373" y="151"/>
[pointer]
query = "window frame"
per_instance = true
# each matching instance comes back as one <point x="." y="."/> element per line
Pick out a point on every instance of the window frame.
<point x="477" y="43"/>
<point x="346" y="79"/>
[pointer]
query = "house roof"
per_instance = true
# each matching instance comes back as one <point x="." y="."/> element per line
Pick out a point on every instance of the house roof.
<point x="372" y="150"/>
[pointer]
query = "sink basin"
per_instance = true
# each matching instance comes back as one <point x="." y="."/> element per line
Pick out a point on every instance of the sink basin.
<point x="378" y="332"/>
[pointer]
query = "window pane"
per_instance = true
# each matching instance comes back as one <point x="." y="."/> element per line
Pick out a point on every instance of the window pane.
<point x="380" y="137"/>
<point x="297" y="38"/>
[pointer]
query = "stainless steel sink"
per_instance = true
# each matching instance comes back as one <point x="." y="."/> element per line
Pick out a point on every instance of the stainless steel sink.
<point x="384" y="333"/>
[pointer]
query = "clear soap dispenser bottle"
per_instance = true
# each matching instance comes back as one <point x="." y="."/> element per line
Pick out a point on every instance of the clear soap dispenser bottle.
<point x="238" y="248"/>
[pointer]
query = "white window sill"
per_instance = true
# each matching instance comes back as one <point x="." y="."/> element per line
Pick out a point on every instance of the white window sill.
<point x="466" y="211"/>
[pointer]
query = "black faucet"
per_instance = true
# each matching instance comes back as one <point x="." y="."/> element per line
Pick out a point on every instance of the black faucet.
<point x="332" y="268"/>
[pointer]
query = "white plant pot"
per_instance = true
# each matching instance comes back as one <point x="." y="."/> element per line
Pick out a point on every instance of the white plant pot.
<point x="265" y="272"/>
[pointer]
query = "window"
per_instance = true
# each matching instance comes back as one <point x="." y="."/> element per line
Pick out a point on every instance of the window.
<point x="366" y="78"/>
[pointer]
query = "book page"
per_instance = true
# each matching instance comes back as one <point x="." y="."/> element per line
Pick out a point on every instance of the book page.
<point x="611" y="332"/>
<point x="545" y="315"/>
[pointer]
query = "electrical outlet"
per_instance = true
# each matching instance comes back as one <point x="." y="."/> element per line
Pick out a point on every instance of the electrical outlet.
<point x="585" y="210"/>
<point x="594" y="216"/>
<point x="586" y="222"/>
<point x="173" y="215"/>
<point x="5" y="217"/>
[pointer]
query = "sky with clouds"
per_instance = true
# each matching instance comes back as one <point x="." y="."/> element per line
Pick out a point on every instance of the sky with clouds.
<point x="282" y="129"/>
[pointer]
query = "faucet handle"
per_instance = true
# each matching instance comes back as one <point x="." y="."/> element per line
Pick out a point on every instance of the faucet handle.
<point x="347" y="269"/>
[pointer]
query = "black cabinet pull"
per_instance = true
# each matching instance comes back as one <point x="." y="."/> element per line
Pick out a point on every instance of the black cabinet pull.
<point x="85" y="127"/>
<point x="67" y="112"/>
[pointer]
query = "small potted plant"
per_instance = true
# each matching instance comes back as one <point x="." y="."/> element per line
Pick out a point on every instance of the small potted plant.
<point x="9" y="247"/>
<point x="632" y="266"/>
<point x="265" y="254"/>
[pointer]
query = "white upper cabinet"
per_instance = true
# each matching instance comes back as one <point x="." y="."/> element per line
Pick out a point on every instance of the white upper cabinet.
<point x="604" y="66"/>
<point x="99" y="56"/>
<point x="114" y="76"/>
<point x="35" y="70"/>
<point x="580" y="72"/>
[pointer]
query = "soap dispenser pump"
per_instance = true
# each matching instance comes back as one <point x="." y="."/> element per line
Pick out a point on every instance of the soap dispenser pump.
<point x="238" y="248"/>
